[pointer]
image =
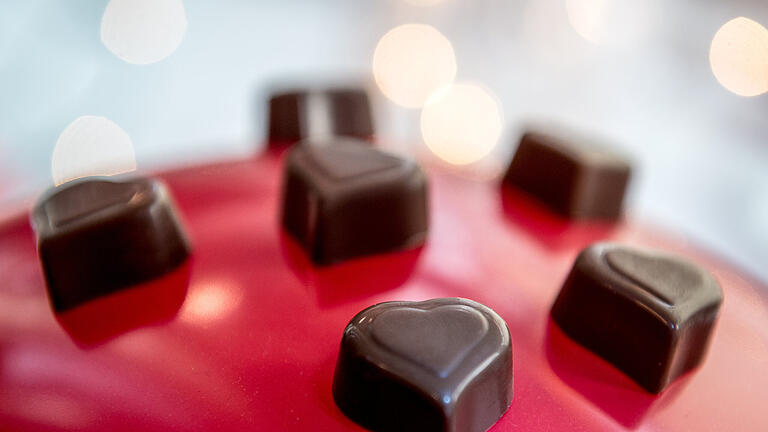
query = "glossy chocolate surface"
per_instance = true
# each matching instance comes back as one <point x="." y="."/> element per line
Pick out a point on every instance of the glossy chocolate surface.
<point x="295" y="115"/>
<point x="575" y="177"/>
<point x="342" y="199"/>
<point x="649" y="313"/>
<point x="98" y="235"/>
<point x="437" y="365"/>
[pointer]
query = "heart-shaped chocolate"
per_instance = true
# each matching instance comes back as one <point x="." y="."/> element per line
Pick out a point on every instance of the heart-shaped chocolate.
<point x="576" y="176"/>
<point x="442" y="364"/>
<point x="348" y="158"/>
<point x="300" y="113"/>
<point x="649" y="313"/>
<point x="99" y="235"/>
<point x="344" y="199"/>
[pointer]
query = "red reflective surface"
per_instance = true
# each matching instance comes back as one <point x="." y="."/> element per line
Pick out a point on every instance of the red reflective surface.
<point x="245" y="335"/>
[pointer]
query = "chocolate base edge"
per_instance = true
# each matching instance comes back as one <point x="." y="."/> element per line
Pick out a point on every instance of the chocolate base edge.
<point x="362" y="400"/>
<point x="409" y="409"/>
<point x="601" y="321"/>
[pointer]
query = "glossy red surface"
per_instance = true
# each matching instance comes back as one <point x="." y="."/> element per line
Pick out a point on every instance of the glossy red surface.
<point x="245" y="336"/>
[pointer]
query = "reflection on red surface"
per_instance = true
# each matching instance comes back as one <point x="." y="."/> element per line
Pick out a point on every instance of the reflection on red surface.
<point x="353" y="279"/>
<point x="601" y="383"/>
<point x="105" y="318"/>
<point x="211" y="300"/>
<point x="550" y="229"/>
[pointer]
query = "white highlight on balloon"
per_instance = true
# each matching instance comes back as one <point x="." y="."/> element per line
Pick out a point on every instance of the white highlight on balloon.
<point x="89" y="146"/>
<point x="462" y="123"/>
<point x="143" y="31"/>
<point x="738" y="57"/>
<point x="411" y="62"/>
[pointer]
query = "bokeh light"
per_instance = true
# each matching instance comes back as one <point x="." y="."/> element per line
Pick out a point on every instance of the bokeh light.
<point x="462" y="123"/>
<point x="609" y="22"/>
<point x="424" y="3"/>
<point x="143" y="31"/>
<point x="91" y="145"/>
<point x="739" y="57"/>
<point x="411" y="62"/>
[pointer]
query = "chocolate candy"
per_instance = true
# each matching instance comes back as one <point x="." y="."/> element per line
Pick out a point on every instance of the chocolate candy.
<point x="342" y="200"/>
<point x="648" y="313"/>
<point x="576" y="180"/>
<point x="299" y="114"/>
<point x="438" y="365"/>
<point x="98" y="235"/>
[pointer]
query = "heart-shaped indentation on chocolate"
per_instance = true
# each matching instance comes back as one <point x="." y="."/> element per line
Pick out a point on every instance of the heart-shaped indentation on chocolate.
<point x="86" y="198"/>
<point x="669" y="279"/>
<point x="436" y="339"/>
<point x="344" y="159"/>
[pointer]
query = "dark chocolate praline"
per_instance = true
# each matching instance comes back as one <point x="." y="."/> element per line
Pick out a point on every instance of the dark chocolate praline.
<point x="573" y="176"/>
<point x="343" y="200"/>
<point x="649" y="313"/>
<point x="437" y="365"/>
<point x="303" y="113"/>
<point x="97" y="235"/>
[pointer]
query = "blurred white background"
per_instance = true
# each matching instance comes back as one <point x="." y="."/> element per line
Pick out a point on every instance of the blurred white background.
<point x="637" y="73"/>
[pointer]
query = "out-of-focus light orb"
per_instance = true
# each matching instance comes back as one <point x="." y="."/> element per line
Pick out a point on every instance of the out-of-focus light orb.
<point x="462" y="123"/>
<point x="586" y="17"/>
<point x="411" y="62"/>
<point x="739" y="57"/>
<point x="89" y="146"/>
<point x="143" y="31"/>
<point x="609" y="22"/>
<point x="424" y="3"/>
